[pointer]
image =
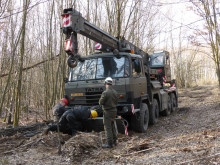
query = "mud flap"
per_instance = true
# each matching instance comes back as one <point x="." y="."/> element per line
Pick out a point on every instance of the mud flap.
<point x="97" y="125"/>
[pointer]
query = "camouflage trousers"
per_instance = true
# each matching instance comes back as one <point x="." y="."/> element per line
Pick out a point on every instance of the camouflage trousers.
<point x="108" y="121"/>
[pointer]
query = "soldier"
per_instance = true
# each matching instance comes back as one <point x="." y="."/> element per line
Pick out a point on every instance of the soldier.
<point x="109" y="101"/>
<point x="110" y="66"/>
<point x="58" y="111"/>
<point x="72" y="120"/>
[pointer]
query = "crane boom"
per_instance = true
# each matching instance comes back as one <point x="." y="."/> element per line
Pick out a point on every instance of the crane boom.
<point x="74" y="23"/>
<point x="82" y="26"/>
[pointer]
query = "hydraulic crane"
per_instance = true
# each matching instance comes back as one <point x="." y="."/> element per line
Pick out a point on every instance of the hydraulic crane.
<point x="141" y="97"/>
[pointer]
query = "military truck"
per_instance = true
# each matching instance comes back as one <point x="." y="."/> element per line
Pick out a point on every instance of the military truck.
<point x="141" y="95"/>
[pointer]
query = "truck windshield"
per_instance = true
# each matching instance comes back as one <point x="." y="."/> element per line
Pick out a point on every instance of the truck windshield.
<point x="157" y="60"/>
<point x="99" y="68"/>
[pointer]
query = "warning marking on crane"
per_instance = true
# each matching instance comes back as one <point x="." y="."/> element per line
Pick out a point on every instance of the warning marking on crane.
<point x="67" y="20"/>
<point x="164" y="80"/>
<point x="173" y="86"/>
<point x="98" y="45"/>
<point x="69" y="45"/>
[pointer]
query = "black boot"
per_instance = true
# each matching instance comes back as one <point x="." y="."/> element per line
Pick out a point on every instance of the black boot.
<point x="46" y="130"/>
<point x="115" y="142"/>
<point x="73" y="132"/>
<point x="107" y="146"/>
<point x="52" y="127"/>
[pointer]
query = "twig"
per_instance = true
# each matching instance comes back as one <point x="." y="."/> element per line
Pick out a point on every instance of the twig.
<point x="7" y="152"/>
<point x="37" y="113"/>
<point x="101" y="138"/>
<point x="33" y="66"/>
<point x="204" y="157"/>
<point x="138" y="152"/>
<point x="23" y="146"/>
<point x="214" y="121"/>
<point x="21" y="122"/>
<point x="45" y="143"/>
<point x="59" y="144"/>
<point x="20" y="143"/>
<point x="31" y="143"/>
<point x="8" y="110"/>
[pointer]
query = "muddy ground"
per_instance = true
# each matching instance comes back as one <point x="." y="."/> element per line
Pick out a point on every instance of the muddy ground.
<point x="190" y="135"/>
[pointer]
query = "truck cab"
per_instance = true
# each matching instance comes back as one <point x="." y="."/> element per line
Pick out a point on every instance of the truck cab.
<point x="160" y="61"/>
<point x="86" y="81"/>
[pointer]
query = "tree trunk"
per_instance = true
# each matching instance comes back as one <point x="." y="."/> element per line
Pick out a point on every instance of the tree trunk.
<point x="13" y="49"/>
<point x="19" y="81"/>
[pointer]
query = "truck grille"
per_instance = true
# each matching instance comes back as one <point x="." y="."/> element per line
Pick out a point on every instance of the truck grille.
<point x="93" y="97"/>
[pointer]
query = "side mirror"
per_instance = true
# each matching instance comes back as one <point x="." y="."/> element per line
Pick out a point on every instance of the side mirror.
<point x="65" y="79"/>
<point x="116" y="53"/>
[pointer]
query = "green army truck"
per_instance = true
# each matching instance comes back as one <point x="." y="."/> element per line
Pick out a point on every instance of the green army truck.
<point x="141" y="95"/>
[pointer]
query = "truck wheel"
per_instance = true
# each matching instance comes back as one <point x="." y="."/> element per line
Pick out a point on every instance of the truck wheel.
<point x="139" y="121"/>
<point x="154" y="112"/>
<point x="167" y="111"/>
<point x="173" y="102"/>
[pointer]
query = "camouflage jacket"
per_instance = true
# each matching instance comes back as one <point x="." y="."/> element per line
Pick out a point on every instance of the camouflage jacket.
<point x="108" y="99"/>
<point x="58" y="111"/>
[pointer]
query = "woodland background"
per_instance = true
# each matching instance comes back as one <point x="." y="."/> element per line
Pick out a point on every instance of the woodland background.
<point x="33" y="60"/>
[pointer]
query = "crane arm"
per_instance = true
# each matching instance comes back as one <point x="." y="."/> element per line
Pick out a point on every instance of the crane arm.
<point x="74" y="23"/>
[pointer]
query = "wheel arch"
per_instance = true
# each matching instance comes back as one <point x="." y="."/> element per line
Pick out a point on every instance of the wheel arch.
<point x="146" y="99"/>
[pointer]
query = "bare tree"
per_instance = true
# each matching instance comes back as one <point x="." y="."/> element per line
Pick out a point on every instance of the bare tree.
<point x="3" y="6"/>
<point x="208" y="11"/>
<point x="21" y="61"/>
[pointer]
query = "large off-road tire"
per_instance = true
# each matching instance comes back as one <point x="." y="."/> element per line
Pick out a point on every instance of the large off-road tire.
<point x="154" y="112"/>
<point x="140" y="120"/>
<point x="167" y="111"/>
<point x="173" y="102"/>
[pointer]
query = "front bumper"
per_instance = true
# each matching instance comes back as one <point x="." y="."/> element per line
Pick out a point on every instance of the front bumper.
<point x="122" y="109"/>
<point x="97" y="125"/>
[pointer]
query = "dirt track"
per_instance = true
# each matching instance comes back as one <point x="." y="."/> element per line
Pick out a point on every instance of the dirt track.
<point x="191" y="135"/>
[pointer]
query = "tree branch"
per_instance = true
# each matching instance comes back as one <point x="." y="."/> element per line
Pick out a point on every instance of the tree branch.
<point x="30" y="67"/>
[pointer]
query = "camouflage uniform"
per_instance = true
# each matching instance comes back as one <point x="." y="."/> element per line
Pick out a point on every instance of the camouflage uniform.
<point x="109" y="102"/>
<point x="72" y="120"/>
<point x="58" y="111"/>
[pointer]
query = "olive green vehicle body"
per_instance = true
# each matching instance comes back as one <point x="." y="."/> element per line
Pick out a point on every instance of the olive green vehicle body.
<point x="141" y="92"/>
<point x="133" y="90"/>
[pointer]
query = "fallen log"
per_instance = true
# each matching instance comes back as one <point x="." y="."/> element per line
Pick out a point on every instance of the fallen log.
<point x="21" y="129"/>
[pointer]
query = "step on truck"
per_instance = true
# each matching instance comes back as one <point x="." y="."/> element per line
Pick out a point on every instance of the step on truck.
<point x="137" y="76"/>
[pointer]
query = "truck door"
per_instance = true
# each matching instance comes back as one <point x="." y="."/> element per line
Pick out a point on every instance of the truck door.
<point x="167" y="67"/>
<point x="138" y="80"/>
